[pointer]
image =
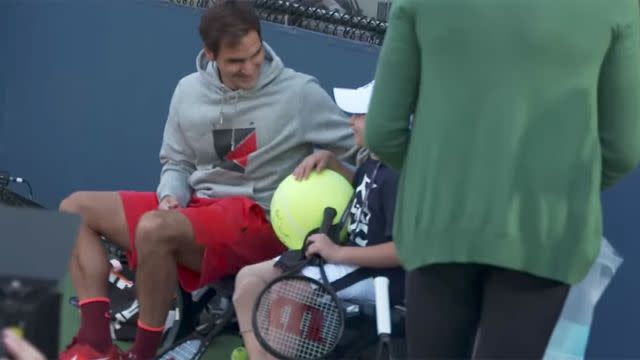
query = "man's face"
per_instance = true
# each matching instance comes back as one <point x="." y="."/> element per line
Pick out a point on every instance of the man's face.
<point x="240" y="65"/>
<point x="357" y="126"/>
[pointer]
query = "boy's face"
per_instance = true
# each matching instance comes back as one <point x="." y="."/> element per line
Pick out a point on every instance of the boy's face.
<point x="357" y="126"/>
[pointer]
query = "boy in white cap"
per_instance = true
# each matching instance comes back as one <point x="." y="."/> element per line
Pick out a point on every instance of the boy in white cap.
<point x="370" y="244"/>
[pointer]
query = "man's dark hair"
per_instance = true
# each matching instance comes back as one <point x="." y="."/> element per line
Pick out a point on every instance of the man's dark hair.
<point x="226" y="22"/>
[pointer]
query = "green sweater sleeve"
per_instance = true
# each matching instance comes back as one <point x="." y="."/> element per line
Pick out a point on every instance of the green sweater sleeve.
<point x="396" y="88"/>
<point x="619" y="99"/>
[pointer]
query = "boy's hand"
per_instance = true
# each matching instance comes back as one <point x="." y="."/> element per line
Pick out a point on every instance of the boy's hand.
<point x="321" y="245"/>
<point x="319" y="160"/>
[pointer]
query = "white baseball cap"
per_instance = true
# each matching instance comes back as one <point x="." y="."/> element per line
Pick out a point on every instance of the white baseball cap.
<point x="354" y="101"/>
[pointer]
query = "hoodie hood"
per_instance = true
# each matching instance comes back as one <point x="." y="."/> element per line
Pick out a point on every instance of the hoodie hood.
<point x="271" y="68"/>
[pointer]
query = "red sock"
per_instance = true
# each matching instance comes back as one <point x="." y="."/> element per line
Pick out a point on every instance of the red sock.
<point x="147" y="342"/>
<point x="94" y="324"/>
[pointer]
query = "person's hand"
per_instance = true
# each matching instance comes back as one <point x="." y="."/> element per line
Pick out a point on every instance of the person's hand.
<point x="168" y="202"/>
<point x="319" y="160"/>
<point x="19" y="348"/>
<point x="321" y="245"/>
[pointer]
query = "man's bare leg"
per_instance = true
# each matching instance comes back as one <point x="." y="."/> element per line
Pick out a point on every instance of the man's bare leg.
<point x="101" y="213"/>
<point x="163" y="238"/>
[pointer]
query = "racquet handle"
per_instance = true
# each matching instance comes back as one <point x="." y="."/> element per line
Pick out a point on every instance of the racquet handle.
<point x="327" y="219"/>
<point x="383" y="316"/>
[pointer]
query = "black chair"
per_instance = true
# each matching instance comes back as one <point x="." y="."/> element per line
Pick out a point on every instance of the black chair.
<point x="211" y="305"/>
<point x="360" y="339"/>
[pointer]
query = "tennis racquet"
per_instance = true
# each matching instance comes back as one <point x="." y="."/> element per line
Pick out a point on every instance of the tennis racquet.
<point x="213" y="319"/>
<point x="297" y="317"/>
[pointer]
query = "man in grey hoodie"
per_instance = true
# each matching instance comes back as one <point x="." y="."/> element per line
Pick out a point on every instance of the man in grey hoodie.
<point x="236" y="128"/>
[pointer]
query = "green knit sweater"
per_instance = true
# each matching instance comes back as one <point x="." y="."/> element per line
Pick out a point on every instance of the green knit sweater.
<point x="523" y="111"/>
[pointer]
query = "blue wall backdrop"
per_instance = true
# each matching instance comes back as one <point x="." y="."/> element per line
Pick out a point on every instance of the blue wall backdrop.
<point x="85" y="88"/>
<point x="4" y="53"/>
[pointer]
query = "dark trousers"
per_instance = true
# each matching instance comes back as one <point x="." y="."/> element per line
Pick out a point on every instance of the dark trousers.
<point x="460" y="311"/>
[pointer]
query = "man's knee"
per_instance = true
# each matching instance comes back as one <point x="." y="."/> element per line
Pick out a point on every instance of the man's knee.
<point x="156" y="232"/>
<point x="77" y="203"/>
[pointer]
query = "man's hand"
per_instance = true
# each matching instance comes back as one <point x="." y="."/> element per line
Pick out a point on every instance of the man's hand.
<point x="321" y="245"/>
<point x="19" y="348"/>
<point x="319" y="160"/>
<point x="168" y="202"/>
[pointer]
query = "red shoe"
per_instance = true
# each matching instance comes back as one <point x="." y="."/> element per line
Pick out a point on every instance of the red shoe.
<point x="82" y="351"/>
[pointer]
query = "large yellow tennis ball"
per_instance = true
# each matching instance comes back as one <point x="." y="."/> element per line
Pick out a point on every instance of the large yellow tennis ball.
<point x="297" y="206"/>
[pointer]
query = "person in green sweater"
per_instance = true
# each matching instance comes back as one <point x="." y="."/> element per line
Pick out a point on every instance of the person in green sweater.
<point x="523" y="112"/>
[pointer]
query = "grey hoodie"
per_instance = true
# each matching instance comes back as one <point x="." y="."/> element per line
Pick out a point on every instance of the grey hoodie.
<point x="219" y="142"/>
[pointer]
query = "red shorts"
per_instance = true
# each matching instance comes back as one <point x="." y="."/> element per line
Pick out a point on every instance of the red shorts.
<point x="233" y="230"/>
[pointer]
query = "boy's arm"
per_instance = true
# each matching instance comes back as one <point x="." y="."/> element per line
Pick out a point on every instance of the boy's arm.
<point x="375" y="256"/>
<point x="381" y="255"/>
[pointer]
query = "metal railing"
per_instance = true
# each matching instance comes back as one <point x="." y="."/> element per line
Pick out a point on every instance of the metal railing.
<point x="333" y="22"/>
